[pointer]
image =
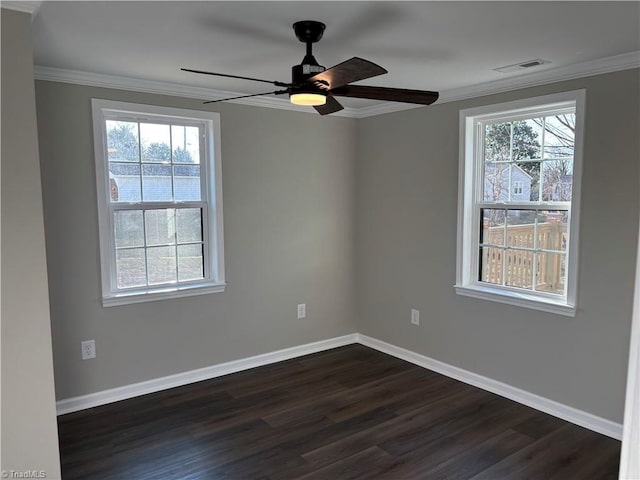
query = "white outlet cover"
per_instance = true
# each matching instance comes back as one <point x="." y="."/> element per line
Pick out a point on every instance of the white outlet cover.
<point x="88" y="349"/>
<point x="302" y="310"/>
<point x="415" y="316"/>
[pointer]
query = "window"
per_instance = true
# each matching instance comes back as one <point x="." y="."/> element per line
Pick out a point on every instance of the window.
<point x="158" y="174"/>
<point x="520" y="165"/>
<point x="517" y="188"/>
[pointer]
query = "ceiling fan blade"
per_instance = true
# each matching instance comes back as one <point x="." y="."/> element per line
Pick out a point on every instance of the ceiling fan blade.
<point x="348" y="71"/>
<point x="421" y="97"/>
<point x="332" y="106"/>
<point x="277" y="84"/>
<point x="277" y="92"/>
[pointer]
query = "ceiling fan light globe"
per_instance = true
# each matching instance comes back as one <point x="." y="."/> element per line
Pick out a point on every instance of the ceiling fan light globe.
<point x="308" y="99"/>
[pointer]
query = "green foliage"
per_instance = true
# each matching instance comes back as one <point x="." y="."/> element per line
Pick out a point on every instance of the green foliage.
<point x="526" y="144"/>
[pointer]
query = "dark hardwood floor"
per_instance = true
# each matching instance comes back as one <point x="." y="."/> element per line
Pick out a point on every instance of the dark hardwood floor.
<point x="347" y="413"/>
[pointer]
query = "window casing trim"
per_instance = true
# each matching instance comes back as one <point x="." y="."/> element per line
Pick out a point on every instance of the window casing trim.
<point x="211" y="203"/>
<point x="470" y="182"/>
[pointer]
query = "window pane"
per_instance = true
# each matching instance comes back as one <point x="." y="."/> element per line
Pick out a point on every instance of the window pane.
<point x="527" y="139"/>
<point x="129" y="228"/>
<point x="189" y="225"/>
<point x="156" y="183"/>
<point x="520" y="228"/>
<point x="124" y="182"/>
<point x="186" y="144"/>
<point x="190" y="262"/>
<point x="559" y="137"/>
<point x="491" y="263"/>
<point x="155" y="142"/>
<point x="122" y="141"/>
<point x="519" y="265"/>
<point x="496" y="182"/>
<point x="557" y="180"/>
<point x="497" y="142"/>
<point x="160" y="226"/>
<point x="131" y="268"/>
<point x="186" y="182"/>
<point x="553" y="230"/>
<point x="162" y="265"/>
<point x="551" y="272"/>
<point x="492" y="226"/>
<point x="529" y="174"/>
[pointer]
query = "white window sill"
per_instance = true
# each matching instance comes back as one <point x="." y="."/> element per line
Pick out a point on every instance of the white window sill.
<point x="518" y="299"/>
<point x="161" y="294"/>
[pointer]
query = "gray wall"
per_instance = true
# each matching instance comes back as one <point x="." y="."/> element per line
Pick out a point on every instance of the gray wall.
<point x="301" y="192"/>
<point x="288" y="185"/>
<point x="406" y="206"/>
<point x="29" y="431"/>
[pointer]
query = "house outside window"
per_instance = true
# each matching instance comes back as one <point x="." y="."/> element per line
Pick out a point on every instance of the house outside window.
<point x="518" y="186"/>
<point x="520" y="165"/>
<point x="159" y="191"/>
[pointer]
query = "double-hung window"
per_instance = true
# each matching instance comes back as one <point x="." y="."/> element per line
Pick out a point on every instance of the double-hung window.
<point x="520" y="166"/>
<point x="158" y="174"/>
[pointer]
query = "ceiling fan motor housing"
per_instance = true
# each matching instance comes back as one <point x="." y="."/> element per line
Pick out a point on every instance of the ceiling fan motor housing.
<point x="308" y="68"/>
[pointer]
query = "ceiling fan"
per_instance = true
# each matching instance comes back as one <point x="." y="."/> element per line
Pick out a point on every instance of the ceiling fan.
<point x="314" y="85"/>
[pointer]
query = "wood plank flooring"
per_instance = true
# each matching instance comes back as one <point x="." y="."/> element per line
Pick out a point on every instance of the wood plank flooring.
<point x="347" y="413"/>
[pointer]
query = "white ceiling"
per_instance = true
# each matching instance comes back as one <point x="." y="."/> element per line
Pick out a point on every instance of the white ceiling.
<point x="440" y="46"/>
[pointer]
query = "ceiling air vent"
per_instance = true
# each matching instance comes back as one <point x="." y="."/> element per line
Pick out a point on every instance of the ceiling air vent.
<point x="521" y="66"/>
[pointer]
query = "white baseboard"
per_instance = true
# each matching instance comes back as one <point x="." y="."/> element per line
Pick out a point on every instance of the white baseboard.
<point x="565" y="412"/>
<point x="103" y="397"/>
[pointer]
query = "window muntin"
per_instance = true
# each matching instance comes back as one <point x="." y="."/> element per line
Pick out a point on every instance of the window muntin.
<point x="159" y="196"/>
<point x="519" y="165"/>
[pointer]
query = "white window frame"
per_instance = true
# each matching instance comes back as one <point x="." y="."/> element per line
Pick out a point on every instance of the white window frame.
<point x="211" y="188"/>
<point x="471" y="185"/>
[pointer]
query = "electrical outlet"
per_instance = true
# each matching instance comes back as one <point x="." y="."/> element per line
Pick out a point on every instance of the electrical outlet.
<point x="415" y="316"/>
<point x="88" y="349"/>
<point x="302" y="310"/>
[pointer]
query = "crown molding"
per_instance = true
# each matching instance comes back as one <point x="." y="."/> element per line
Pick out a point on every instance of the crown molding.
<point x="21" y="6"/>
<point x="167" y="88"/>
<point x="600" y="66"/>
<point x="384" y="107"/>
<point x="615" y="63"/>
